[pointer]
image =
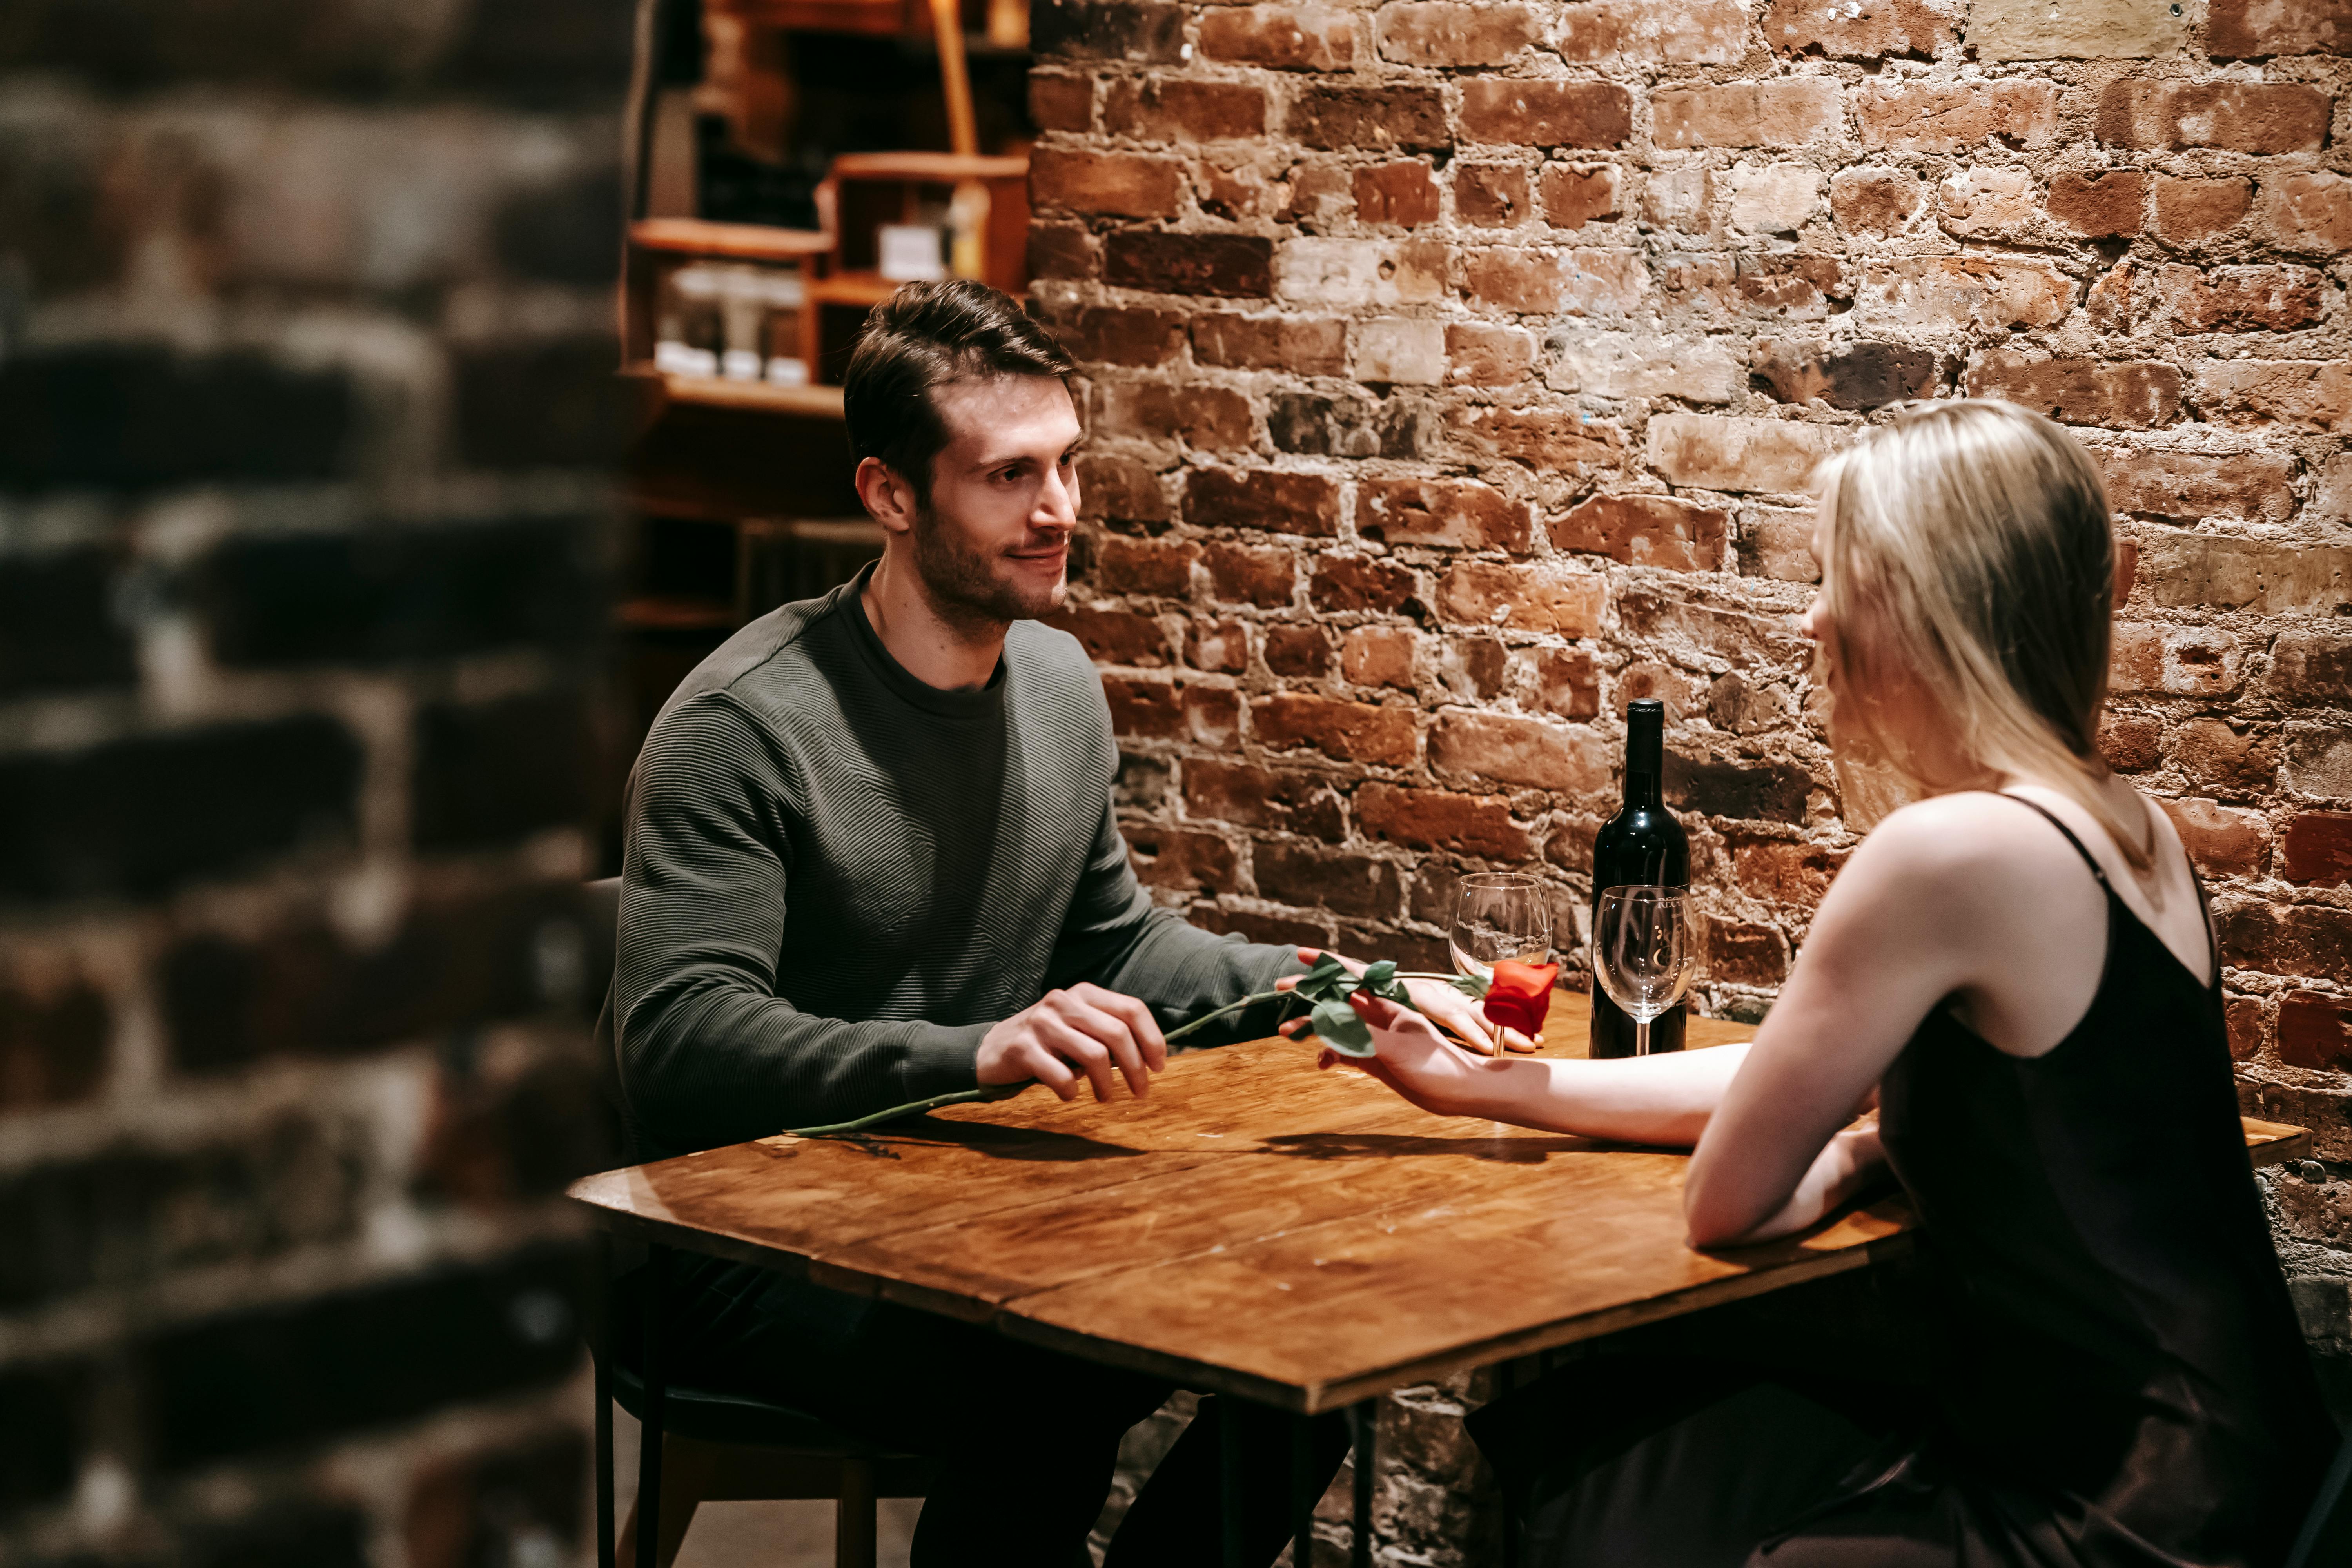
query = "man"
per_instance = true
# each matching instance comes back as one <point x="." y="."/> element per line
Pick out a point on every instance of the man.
<point x="871" y="858"/>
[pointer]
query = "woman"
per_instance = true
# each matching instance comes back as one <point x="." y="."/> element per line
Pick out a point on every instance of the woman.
<point x="2018" y="973"/>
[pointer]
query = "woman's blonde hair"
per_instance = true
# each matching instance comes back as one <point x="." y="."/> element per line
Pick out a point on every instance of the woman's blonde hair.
<point x="1969" y="557"/>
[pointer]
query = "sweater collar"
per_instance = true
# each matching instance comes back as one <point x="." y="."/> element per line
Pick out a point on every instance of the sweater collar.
<point x="967" y="703"/>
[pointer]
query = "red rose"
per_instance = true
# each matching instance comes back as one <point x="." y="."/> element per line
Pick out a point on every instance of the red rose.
<point x="1519" y="995"/>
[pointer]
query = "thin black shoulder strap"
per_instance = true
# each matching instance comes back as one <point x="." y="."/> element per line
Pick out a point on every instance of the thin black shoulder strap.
<point x="2088" y="859"/>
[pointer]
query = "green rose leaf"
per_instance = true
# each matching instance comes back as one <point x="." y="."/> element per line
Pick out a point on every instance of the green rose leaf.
<point x="1377" y="976"/>
<point x="1327" y="981"/>
<point x="1470" y="985"/>
<point x="1338" y="1026"/>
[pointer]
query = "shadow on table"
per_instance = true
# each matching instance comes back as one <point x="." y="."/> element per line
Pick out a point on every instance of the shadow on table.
<point x="1372" y="1145"/>
<point x="992" y="1139"/>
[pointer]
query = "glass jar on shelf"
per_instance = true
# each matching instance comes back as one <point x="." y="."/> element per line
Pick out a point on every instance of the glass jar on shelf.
<point x="688" y="327"/>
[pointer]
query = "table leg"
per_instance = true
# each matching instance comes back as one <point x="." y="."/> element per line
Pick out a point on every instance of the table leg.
<point x="649" y="1436"/>
<point x="1305" y="1490"/>
<point x="1367" y="1458"/>
<point x="600" y="1331"/>
<point x="1506" y="1378"/>
<point x="1232" y="1548"/>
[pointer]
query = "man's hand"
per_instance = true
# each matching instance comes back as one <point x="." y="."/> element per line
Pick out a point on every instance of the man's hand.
<point x="1445" y="1007"/>
<point x="1084" y="1032"/>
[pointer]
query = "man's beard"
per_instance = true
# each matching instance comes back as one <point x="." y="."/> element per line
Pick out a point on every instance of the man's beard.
<point x="962" y="584"/>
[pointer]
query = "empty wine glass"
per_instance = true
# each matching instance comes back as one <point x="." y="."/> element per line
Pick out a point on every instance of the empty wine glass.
<point x="1642" y="953"/>
<point x="1498" y="916"/>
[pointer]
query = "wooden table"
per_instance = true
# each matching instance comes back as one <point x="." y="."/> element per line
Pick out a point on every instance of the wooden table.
<point x="1255" y="1228"/>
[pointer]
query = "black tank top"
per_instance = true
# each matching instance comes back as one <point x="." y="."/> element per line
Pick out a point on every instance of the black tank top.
<point x="2131" y="1368"/>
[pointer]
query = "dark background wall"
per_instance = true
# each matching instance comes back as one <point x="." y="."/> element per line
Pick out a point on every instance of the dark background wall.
<point x="305" y="354"/>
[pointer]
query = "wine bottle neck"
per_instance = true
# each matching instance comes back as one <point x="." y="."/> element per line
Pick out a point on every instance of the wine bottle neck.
<point x="1644" y="792"/>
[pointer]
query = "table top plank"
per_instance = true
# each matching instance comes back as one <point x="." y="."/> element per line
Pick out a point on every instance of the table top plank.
<point x="1304" y="1239"/>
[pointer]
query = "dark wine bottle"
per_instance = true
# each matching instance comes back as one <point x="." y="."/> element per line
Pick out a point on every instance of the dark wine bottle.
<point x="1642" y="845"/>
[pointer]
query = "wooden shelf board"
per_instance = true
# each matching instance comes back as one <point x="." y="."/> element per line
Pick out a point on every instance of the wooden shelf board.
<point x="738" y="241"/>
<point x="674" y="613"/>
<point x="938" y="168"/>
<point x="759" y="396"/>
<point x="867" y="289"/>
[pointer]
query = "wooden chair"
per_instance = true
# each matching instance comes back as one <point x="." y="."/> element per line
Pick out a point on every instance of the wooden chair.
<point x="2325" y="1538"/>
<point x="721" y="1447"/>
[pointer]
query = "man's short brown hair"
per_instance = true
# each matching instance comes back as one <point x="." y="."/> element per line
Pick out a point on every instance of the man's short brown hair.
<point x="923" y="337"/>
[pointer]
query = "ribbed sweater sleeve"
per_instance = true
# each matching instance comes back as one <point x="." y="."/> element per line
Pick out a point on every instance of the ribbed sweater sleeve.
<point x="710" y="1053"/>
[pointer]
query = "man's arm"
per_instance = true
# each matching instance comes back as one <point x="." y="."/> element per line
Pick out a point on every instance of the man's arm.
<point x="1115" y="938"/>
<point x="708" y="1053"/>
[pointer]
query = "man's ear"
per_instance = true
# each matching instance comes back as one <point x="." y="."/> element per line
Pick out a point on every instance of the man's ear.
<point x="890" y="499"/>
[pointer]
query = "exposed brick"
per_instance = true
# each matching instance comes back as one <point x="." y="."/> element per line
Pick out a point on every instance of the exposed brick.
<point x="1702" y="32"/>
<point x="1736" y="637"/>
<point x="1573" y="195"/>
<point x="2192" y="211"/>
<point x="2223" y="841"/>
<point x="1438" y="819"/>
<point x="1644" y="364"/>
<point x="2217" y="758"/>
<point x="1062" y="251"/>
<point x="1875" y="29"/>
<point x="2317" y="762"/>
<point x="2185" y="661"/>
<point x="1550" y="282"/>
<point x="1472" y="667"/>
<point x="1742" y="952"/>
<point x="54" y="1029"/>
<point x="1457" y="512"/>
<point x="1344" y="884"/>
<point x="1793" y="874"/>
<point x="1379" y="655"/>
<point x="1772" y="198"/>
<point x="2130" y="742"/>
<point x="1161" y="567"/>
<point x="1548" y="440"/>
<point x="1645" y="530"/>
<point x="1953" y="293"/>
<point x="1783" y="287"/>
<point x="1217" y="646"/>
<point x="1234" y="265"/>
<point x="1477" y="354"/>
<point x="2308" y="942"/>
<point x="1351" y="732"/>
<point x="538" y="404"/>
<point x="133" y="417"/>
<point x="2298" y="395"/>
<point x="1860" y="377"/>
<point x="2254" y="29"/>
<point x="2308" y="211"/>
<point x="1242" y="574"/>
<point x="2235" y="116"/>
<point x="2242" y="1020"/>
<point x="2099" y="207"/>
<point x="1987" y="203"/>
<point x="1144" y="34"/>
<point x="499" y="772"/>
<point x="1743" y="790"/>
<point x="145" y="815"/>
<point x="1567" y="682"/>
<point x="1297" y="653"/>
<point x="1126" y="184"/>
<point x="2313" y="665"/>
<point x="1787" y="111"/>
<point x="1495" y="746"/>
<point x="1400" y="192"/>
<point x="1210" y="418"/>
<point x="1278" y="501"/>
<point x="2192" y="487"/>
<point x="1938" y="117"/>
<point x="1391" y="351"/>
<point x="1876" y="203"/>
<point x="291" y="1377"/>
<point x="59" y="630"/>
<point x="2029" y="30"/>
<point x="1287" y="37"/>
<point x="1522" y="598"/>
<point x="2235" y="298"/>
<point x="1342" y="273"/>
<point x="2315" y="1031"/>
<point x="1116" y="636"/>
<point x="1058" y="103"/>
<point x="1177" y="110"/>
<point x="2318" y="848"/>
<point x="1344" y="582"/>
<point x="1720" y="454"/>
<point x="2131" y="395"/>
<point x="1111" y="336"/>
<point x="2236" y="574"/>
<point x="1156" y="708"/>
<point x="1304" y="345"/>
<point x="1371" y="118"/>
<point x="1179" y="860"/>
<point x="1112" y="488"/>
<point x="1494" y="195"/>
<point x="1435" y="33"/>
<point x="1538" y="113"/>
<point x="1349" y="424"/>
<point x="1263" y="797"/>
<point x="1777" y="543"/>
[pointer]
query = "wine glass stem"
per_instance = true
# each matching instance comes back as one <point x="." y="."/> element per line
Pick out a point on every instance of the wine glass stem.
<point x="1640" y="1037"/>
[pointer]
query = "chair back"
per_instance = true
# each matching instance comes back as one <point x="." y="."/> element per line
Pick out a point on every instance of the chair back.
<point x="2327" y="1537"/>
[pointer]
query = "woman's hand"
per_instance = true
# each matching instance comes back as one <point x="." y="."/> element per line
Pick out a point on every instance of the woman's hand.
<point x="1413" y="1059"/>
<point x="1443" y="1006"/>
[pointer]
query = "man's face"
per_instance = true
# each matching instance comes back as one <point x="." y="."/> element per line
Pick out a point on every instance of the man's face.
<point x="994" y="543"/>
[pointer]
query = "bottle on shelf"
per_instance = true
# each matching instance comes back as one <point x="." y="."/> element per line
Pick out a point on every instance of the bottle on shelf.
<point x="1642" y="845"/>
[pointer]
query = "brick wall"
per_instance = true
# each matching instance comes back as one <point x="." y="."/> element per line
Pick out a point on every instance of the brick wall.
<point x="1453" y="370"/>
<point x="304" y="342"/>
